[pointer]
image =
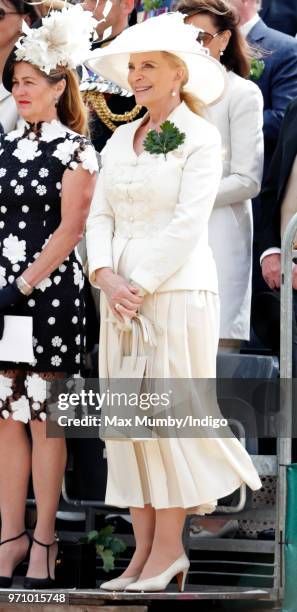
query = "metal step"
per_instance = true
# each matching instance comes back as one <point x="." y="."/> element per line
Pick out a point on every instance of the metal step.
<point x="94" y="596"/>
<point x="262" y="513"/>
<point x="230" y="544"/>
<point x="192" y="592"/>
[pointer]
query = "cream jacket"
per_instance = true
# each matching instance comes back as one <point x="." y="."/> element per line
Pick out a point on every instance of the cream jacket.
<point x="149" y="215"/>
<point x="239" y="119"/>
<point x="8" y="111"/>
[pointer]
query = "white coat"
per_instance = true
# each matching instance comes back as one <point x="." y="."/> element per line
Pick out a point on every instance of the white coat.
<point x="149" y="221"/>
<point x="239" y="118"/>
<point x="8" y="111"/>
<point x="156" y="210"/>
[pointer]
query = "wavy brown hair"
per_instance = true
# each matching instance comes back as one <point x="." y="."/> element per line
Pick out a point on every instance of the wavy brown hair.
<point x="71" y="109"/>
<point x="237" y="55"/>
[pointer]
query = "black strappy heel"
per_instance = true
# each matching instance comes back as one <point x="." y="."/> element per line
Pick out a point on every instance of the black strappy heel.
<point x="42" y="583"/>
<point x="6" y="581"/>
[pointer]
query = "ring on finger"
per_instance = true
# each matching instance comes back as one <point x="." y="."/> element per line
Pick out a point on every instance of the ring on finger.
<point x="117" y="306"/>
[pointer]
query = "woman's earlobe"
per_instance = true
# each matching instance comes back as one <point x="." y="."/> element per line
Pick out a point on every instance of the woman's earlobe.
<point x="61" y="87"/>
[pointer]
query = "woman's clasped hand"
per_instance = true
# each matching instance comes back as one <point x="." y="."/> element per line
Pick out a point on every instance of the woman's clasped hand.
<point x="123" y="298"/>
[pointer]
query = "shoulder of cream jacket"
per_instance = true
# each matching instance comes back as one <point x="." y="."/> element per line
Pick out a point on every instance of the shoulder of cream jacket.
<point x="239" y="119"/>
<point x="8" y="110"/>
<point x="157" y="209"/>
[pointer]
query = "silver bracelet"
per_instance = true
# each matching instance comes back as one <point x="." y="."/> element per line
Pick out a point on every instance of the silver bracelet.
<point x="23" y="286"/>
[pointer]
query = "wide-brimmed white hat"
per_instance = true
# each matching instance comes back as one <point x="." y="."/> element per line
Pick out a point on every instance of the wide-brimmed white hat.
<point x="166" y="32"/>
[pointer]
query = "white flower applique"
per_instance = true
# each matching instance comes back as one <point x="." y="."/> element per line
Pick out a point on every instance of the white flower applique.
<point x="41" y="190"/>
<point x="5" y="387"/>
<point x="56" y="360"/>
<point x="14" y="249"/>
<point x="3" y="281"/>
<point x="89" y="159"/>
<point x="44" y="284"/>
<point x="19" y="189"/>
<point x="21" y="410"/>
<point x="63" y="39"/>
<point x="65" y="150"/>
<point x="52" y="131"/>
<point x="14" y="134"/>
<point x="36" y="387"/>
<point x="26" y="150"/>
<point x="43" y="172"/>
<point x="78" y="275"/>
<point x="23" y="172"/>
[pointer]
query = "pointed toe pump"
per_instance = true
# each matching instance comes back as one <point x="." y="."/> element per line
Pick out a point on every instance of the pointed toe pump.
<point x="6" y="581"/>
<point x="42" y="583"/>
<point x="118" y="584"/>
<point x="179" y="568"/>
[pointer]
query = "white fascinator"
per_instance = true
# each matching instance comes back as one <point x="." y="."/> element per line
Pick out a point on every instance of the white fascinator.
<point x="63" y="39"/>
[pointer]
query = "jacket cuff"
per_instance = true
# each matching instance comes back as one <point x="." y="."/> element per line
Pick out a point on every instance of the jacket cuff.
<point x="271" y="251"/>
<point x="144" y="281"/>
<point x="142" y="292"/>
<point x="96" y="265"/>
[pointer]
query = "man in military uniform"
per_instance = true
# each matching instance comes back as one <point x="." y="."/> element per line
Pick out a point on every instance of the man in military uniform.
<point x="109" y="104"/>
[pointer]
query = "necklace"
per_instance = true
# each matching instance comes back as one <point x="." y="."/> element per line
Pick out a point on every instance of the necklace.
<point x="98" y="103"/>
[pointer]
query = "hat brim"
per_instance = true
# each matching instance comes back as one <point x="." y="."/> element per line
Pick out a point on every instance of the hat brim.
<point x="207" y="77"/>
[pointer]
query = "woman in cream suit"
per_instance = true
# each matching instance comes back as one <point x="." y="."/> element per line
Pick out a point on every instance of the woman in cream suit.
<point x="239" y="118"/>
<point x="148" y="252"/>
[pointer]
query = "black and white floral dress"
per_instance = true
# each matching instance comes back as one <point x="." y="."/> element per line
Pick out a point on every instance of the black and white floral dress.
<point x="33" y="160"/>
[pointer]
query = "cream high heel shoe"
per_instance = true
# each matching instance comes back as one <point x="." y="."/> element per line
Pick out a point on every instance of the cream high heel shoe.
<point x="179" y="569"/>
<point x="118" y="584"/>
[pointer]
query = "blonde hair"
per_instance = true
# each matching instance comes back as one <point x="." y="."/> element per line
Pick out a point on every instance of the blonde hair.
<point x="192" y="101"/>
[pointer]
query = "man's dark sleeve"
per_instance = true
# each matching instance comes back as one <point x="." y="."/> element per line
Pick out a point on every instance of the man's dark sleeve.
<point x="269" y="235"/>
<point x="283" y="88"/>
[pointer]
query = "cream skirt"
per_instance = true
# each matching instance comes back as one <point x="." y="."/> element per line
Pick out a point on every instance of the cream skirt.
<point x="190" y="473"/>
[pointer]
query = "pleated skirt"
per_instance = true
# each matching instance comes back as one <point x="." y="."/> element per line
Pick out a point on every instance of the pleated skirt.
<point x="190" y="473"/>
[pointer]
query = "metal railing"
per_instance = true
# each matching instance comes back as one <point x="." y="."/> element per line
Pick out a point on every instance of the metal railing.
<point x="285" y="423"/>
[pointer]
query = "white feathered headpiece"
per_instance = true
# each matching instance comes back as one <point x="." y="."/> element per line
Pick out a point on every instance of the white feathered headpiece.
<point x="64" y="39"/>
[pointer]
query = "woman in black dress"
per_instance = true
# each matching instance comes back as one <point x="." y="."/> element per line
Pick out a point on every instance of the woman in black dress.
<point x="47" y="177"/>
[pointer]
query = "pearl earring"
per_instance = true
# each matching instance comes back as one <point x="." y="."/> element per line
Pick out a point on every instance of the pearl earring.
<point x="221" y="53"/>
<point x="56" y="102"/>
<point x="173" y="93"/>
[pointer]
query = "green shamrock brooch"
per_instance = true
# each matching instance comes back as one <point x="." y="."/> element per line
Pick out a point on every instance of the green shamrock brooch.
<point x="167" y="139"/>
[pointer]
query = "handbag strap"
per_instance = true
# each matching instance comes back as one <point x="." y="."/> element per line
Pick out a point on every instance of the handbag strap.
<point x="134" y="344"/>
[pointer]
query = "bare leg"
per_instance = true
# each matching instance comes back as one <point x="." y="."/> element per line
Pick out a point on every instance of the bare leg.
<point x="48" y="467"/>
<point x="143" y="521"/>
<point x="15" y="467"/>
<point x="167" y="544"/>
